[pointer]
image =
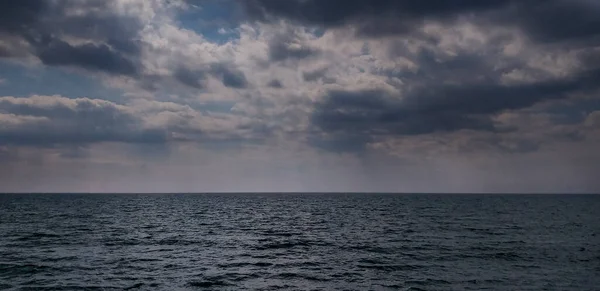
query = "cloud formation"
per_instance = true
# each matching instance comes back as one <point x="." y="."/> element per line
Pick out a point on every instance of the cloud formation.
<point x="56" y="120"/>
<point x="47" y="120"/>
<point x="415" y="68"/>
<point x="413" y="80"/>
<point x="72" y="33"/>
<point x="544" y="20"/>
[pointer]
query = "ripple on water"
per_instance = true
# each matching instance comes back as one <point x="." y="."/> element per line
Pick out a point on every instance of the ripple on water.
<point x="208" y="282"/>
<point x="298" y="242"/>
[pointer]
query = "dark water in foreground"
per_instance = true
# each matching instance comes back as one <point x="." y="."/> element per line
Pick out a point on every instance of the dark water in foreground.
<point x="299" y="242"/>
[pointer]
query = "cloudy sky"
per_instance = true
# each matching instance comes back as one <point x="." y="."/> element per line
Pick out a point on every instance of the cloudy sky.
<point x="300" y="95"/>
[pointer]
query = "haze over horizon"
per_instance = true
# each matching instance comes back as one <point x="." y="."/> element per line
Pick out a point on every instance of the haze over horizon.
<point x="300" y="95"/>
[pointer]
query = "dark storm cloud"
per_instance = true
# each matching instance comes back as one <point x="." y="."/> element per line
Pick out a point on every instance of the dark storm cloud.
<point x="485" y="98"/>
<point x="572" y="111"/>
<point x="88" y="56"/>
<point x="393" y="15"/>
<point x="350" y="115"/>
<point x="448" y="93"/>
<point x="20" y="15"/>
<point x="462" y="68"/>
<point x="377" y="113"/>
<point x="556" y="20"/>
<point x="110" y="42"/>
<point x="339" y="12"/>
<point x="545" y="20"/>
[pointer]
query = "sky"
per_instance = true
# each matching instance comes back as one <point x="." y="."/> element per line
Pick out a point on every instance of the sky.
<point x="300" y="95"/>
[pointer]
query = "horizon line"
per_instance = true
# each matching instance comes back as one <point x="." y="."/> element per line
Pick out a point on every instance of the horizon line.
<point x="302" y="192"/>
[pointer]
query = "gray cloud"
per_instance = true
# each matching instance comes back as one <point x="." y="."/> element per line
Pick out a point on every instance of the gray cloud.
<point x="388" y="16"/>
<point x="88" y="56"/>
<point x="545" y="20"/>
<point x="20" y="15"/>
<point x="94" y="35"/>
<point x="282" y="51"/>
<point x="318" y="75"/>
<point x="107" y="42"/>
<point x="439" y="95"/>
<point x="192" y="78"/>
<point x="378" y="113"/>
<point x="349" y="115"/>
<point x="556" y="20"/>
<point x="48" y="120"/>
<point x="230" y="76"/>
<point x="311" y="76"/>
<point x="337" y="12"/>
<point x="275" y="84"/>
<point x="287" y="47"/>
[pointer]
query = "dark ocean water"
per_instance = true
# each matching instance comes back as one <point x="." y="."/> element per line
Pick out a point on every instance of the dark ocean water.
<point x="299" y="242"/>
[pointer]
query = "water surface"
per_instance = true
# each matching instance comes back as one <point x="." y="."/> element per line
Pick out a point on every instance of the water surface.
<point x="299" y="242"/>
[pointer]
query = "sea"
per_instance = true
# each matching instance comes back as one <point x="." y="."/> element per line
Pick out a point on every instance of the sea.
<point x="296" y="241"/>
